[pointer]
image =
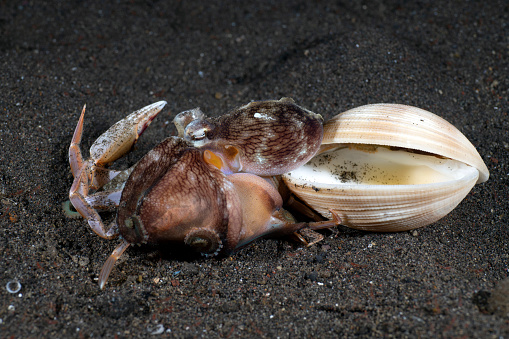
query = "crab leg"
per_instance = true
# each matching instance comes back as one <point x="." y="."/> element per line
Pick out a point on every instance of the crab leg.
<point x="75" y="157"/>
<point x="94" y="219"/>
<point x="91" y="174"/>
<point x="108" y="265"/>
<point x="283" y="224"/>
<point x="100" y="201"/>
<point x="104" y="200"/>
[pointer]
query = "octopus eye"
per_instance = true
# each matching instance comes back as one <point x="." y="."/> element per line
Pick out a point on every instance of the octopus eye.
<point x="198" y="130"/>
<point x="199" y="134"/>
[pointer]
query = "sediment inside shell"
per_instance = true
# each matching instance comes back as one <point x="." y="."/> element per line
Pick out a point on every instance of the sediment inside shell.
<point x="378" y="165"/>
<point x="378" y="189"/>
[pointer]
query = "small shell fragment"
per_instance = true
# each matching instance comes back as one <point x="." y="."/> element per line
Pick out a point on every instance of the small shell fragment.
<point x="13" y="286"/>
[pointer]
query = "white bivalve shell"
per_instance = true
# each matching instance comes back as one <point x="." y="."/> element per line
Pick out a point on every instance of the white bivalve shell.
<point x="388" y="168"/>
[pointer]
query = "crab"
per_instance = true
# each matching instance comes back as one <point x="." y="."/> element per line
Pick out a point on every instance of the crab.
<point x="205" y="187"/>
<point x="91" y="174"/>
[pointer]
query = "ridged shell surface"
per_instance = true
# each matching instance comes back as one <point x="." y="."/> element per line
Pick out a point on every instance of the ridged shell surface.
<point x="372" y="202"/>
<point x="403" y="126"/>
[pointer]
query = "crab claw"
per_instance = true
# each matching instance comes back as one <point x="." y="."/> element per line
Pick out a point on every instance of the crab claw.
<point x="120" y="138"/>
<point x="116" y="141"/>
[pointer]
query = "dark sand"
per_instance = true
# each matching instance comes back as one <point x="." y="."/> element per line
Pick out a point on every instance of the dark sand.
<point x="450" y="58"/>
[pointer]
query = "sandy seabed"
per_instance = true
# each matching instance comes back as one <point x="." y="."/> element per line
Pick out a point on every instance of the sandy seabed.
<point x="445" y="280"/>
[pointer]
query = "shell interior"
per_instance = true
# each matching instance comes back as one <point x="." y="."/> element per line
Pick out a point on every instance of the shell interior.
<point x="375" y="188"/>
<point x="378" y="165"/>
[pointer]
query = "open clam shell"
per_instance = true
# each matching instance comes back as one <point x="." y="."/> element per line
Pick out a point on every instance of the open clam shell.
<point x="387" y="168"/>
